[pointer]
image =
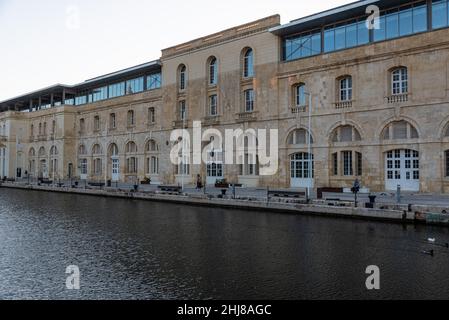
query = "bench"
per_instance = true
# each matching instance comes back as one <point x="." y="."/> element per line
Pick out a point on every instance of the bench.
<point x="176" y="189"/>
<point x="285" y="194"/>
<point x="97" y="184"/>
<point x="46" y="181"/>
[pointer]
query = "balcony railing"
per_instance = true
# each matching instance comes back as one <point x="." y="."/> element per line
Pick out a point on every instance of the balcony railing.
<point x="343" y="104"/>
<point x="211" y="120"/>
<point x="246" y="116"/>
<point x="298" y="109"/>
<point x="397" y="98"/>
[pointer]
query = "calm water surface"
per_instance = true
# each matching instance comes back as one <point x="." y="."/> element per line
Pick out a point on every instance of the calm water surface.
<point x="141" y="250"/>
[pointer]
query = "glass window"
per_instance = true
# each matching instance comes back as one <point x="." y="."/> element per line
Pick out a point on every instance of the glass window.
<point x="249" y="100"/>
<point x="248" y="64"/>
<point x="379" y="34"/>
<point x="392" y="25"/>
<point x="406" y="22"/>
<point x="300" y="95"/>
<point x="302" y="46"/>
<point x="154" y="81"/>
<point x="351" y="35"/>
<point x="439" y="14"/>
<point x="399" y="80"/>
<point x="81" y="99"/>
<point x="182" y="78"/>
<point x="362" y="33"/>
<point x="347" y="163"/>
<point x="182" y="110"/>
<point x="346" y="89"/>
<point x="134" y="86"/>
<point x="117" y="90"/>
<point x="329" y="40"/>
<point x="213" y="110"/>
<point x="98" y="94"/>
<point x="420" y="18"/>
<point x="213" y="71"/>
<point x="152" y="115"/>
<point x="340" y="38"/>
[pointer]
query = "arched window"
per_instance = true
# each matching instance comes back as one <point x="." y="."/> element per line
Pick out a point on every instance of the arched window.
<point x="399" y="81"/>
<point x="53" y="151"/>
<point x="42" y="152"/>
<point x="299" y="95"/>
<point x="152" y="146"/>
<point x="299" y="137"/>
<point x="82" y="150"/>
<point x="113" y="150"/>
<point x="213" y="71"/>
<point x="400" y="130"/>
<point x="32" y="153"/>
<point x="345" y="88"/>
<point x="182" y="77"/>
<point x="131" y="118"/>
<point x="346" y="134"/>
<point x="248" y="63"/>
<point x="446" y="133"/>
<point x="131" y="147"/>
<point x="97" y="149"/>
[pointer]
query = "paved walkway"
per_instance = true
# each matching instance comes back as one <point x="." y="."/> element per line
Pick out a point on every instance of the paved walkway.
<point x="261" y="193"/>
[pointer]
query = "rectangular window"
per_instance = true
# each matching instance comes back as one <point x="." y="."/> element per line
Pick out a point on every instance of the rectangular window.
<point x="97" y="123"/>
<point x="154" y="81"/>
<point x="83" y="166"/>
<point x="182" y="110"/>
<point x="335" y="163"/>
<point x="420" y="18"/>
<point x="213" y="110"/>
<point x="347" y="163"/>
<point x="392" y="25"/>
<point x="329" y="40"/>
<point x="117" y="90"/>
<point x="406" y="22"/>
<point x="99" y="94"/>
<point x="439" y="14"/>
<point x="151" y="115"/>
<point x="80" y="100"/>
<point x="97" y="167"/>
<point x="82" y="126"/>
<point x="359" y="164"/>
<point x="340" y="38"/>
<point x="249" y="100"/>
<point x="112" y="121"/>
<point x="302" y="46"/>
<point x="154" y="165"/>
<point x="134" y="86"/>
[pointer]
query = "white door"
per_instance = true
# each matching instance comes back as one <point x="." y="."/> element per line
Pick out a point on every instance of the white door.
<point x="301" y="170"/>
<point x="115" y="169"/>
<point x="402" y="168"/>
<point x="44" y="169"/>
<point x="214" y="167"/>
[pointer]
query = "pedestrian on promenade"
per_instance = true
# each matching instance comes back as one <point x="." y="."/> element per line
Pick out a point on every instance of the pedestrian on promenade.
<point x="199" y="183"/>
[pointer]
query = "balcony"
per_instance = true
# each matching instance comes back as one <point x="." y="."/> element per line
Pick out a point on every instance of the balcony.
<point x="298" y="109"/>
<point x="3" y="138"/>
<point x="397" y="98"/>
<point x="211" y="120"/>
<point x="343" y="104"/>
<point x="180" y="124"/>
<point x="246" y="116"/>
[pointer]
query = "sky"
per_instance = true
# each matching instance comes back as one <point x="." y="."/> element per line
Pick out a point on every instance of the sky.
<point x="46" y="42"/>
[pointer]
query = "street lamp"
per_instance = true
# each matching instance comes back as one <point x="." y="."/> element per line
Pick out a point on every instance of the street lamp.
<point x="309" y="148"/>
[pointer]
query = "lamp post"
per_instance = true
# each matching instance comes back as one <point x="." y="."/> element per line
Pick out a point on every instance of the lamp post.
<point x="309" y="148"/>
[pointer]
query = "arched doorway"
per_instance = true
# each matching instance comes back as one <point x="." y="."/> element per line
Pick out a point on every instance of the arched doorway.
<point x="402" y="169"/>
<point x="115" y="162"/>
<point x="301" y="170"/>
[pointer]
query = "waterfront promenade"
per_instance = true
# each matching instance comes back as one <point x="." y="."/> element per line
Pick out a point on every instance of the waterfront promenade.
<point x="412" y="207"/>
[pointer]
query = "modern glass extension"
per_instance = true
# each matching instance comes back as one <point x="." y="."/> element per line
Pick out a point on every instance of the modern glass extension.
<point x="417" y="17"/>
<point x="115" y="90"/>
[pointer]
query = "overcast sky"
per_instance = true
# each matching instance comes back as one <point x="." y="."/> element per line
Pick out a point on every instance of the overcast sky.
<point x="59" y="41"/>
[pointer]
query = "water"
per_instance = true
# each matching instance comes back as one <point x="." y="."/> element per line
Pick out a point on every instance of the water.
<point x="141" y="250"/>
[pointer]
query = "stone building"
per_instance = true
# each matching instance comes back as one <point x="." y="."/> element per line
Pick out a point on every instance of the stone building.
<point x="378" y="100"/>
